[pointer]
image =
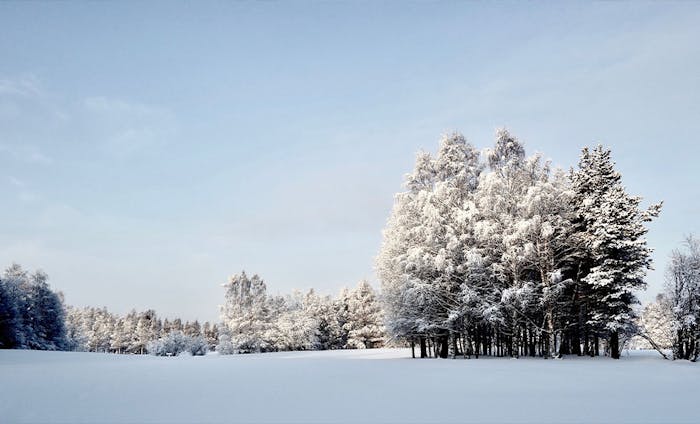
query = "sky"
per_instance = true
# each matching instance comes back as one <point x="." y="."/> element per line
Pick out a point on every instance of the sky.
<point x="150" y="150"/>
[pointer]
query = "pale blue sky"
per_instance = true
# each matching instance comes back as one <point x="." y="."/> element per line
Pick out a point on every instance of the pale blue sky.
<point x="148" y="151"/>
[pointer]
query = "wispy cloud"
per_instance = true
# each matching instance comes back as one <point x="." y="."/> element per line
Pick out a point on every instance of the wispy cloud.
<point x="25" y="86"/>
<point x="16" y="181"/>
<point x="25" y="153"/>
<point x="126" y="128"/>
<point x="24" y="193"/>
<point x="28" y="197"/>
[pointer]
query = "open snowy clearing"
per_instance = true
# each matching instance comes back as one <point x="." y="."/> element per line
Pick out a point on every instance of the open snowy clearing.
<point x="383" y="385"/>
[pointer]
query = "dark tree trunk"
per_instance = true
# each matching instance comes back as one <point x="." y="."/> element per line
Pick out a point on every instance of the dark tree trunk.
<point x="444" y="343"/>
<point x="679" y="345"/>
<point x="413" y="348"/>
<point x="423" y="350"/>
<point x="614" y="345"/>
<point x="596" y="347"/>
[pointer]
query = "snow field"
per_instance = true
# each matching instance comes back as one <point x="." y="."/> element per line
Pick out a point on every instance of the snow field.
<point x="379" y="386"/>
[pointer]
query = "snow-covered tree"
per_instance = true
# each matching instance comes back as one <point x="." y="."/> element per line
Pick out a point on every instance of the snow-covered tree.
<point x="515" y="259"/>
<point x="11" y="324"/>
<point x="683" y="296"/>
<point x="328" y="332"/>
<point x="364" y="325"/>
<point x="31" y="314"/>
<point x="294" y="328"/>
<point x="614" y="230"/>
<point x="656" y="325"/>
<point x="211" y="334"/>
<point x="245" y="313"/>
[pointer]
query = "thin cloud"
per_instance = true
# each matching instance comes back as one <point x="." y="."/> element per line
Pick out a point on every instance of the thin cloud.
<point x="27" y="153"/>
<point x="127" y="128"/>
<point x="16" y="182"/>
<point x="26" y="86"/>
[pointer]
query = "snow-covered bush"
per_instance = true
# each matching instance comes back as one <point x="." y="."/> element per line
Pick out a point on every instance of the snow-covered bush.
<point x="225" y="347"/>
<point x="175" y="343"/>
<point x="198" y="346"/>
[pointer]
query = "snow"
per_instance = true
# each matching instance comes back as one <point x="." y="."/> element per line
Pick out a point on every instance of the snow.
<point x="378" y="385"/>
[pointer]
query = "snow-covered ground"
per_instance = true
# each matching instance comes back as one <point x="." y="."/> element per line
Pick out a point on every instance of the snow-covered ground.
<point x="382" y="385"/>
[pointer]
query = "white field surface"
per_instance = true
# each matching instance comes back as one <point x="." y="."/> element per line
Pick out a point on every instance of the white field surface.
<point x="383" y="385"/>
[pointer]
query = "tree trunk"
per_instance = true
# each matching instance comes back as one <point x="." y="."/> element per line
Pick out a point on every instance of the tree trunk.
<point x="423" y="350"/>
<point x="444" y="346"/>
<point x="551" y="341"/>
<point x="576" y="343"/>
<point x="413" y="348"/>
<point x="596" y="347"/>
<point x="614" y="345"/>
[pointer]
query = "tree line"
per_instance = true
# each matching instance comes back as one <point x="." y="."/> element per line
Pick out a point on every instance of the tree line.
<point x="32" y="316"/>
<point x="93" y="329"/>
<point x="253" y="321"/>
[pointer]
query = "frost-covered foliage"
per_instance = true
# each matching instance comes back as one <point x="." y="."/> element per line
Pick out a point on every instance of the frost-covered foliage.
<point x="256" y="322"/>
<point x="683" y="299"/>
<point x="503" y="255"/>
<point x="224" y="345"/>
<point x="98" y="330"/>
<point x="31" y="314"/>
<point x="655" y="325"/>
<point x="364" y="324"/>
<point x="175" y="343"/>
<point x="246" y="313"/>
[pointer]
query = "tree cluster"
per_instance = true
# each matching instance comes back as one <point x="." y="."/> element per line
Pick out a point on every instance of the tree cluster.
<point x="498" y="254"/>
<point x="98" y="330"/>
<point x="253" y="321"/>
<point x="31" y="314"/>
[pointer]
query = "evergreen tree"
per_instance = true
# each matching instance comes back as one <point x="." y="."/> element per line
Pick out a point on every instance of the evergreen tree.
<point x="11" y="332"/>
<point x="31" y="314"/>
<point x="614" y="230"/>
<point x="364" y="326"/>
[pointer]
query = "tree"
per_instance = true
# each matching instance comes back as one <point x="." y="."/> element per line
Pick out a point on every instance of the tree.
<point x="613" y="228"/>
<point x="31" y="314"/>
<point x="364" y="324"/>
<point x="656" y="324"/>
<point x="293" y="327"/>
<point x="328" y="332"/>
<point x="16" y="312"/>
<point x="211" y="334"/>
<point x="245" y="313"/>
<point x="11" y="332"/>
<point x="682" y="292"/>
